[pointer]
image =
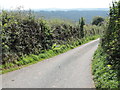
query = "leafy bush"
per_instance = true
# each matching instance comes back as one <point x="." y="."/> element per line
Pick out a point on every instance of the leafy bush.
<point x="106" y="63"/>
<point x="111" y="38"/>
<point x="23" y="36"/>
<point x="97" y="20"/>
<point x="35" y="57"/>
<point x="105" y="76"/>
<point x="26" y="39"/>
<point x="42" y="56"/>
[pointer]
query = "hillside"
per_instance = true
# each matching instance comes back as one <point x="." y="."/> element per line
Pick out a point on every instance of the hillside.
<point x="73" y="15"/>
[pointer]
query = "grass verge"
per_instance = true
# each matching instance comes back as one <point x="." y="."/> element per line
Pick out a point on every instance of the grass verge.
<point x="32" y="59"/>
<point x="105" y="76"/>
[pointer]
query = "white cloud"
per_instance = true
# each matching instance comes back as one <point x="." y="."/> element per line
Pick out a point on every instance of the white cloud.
<point x="37" y="4"/>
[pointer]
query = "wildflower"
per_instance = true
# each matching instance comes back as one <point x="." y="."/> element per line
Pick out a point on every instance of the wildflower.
<point x="109" y="66"/>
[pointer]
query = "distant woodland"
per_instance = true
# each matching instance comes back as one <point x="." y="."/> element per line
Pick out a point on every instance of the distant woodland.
<point x="72" y="15"/>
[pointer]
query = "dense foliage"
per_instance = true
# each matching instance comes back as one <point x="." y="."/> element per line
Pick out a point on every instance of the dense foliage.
<point x="104" y="74"/>
<point x="111" y="38"/>
<point x="106" y="62"/>
<point x="23" y="34"/>
<point x="97" y="20"/>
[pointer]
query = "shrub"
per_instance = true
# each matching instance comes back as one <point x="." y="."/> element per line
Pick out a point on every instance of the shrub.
<point x="97" y="20"/>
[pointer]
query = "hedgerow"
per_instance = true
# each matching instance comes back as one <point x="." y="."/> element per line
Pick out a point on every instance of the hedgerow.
<point x="106" y="62"/>
<point x="26" y="38"/>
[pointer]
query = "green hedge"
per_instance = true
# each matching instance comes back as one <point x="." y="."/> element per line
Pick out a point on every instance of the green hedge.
<point x="106" y="62"/>
<point x="23" y="34"/>
<point x="105" y="76"/>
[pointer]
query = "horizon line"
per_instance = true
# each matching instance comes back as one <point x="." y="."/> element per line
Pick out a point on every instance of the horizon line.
<point x="62" y="9"/>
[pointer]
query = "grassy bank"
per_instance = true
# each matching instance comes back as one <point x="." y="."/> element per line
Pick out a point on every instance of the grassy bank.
<point x="56" y="50"/>
<point x="105" y="75"/>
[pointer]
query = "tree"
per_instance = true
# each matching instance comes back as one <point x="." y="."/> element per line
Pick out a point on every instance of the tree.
<point x="97" y="20"/>
<point x="81" y="23"/>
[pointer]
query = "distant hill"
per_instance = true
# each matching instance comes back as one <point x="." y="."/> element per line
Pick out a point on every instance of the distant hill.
<point x="72" y="9"/>
<point x="72" y="14"/>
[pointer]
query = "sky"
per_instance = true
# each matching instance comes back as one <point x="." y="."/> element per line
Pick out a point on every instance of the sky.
<point x="62" y="4"/>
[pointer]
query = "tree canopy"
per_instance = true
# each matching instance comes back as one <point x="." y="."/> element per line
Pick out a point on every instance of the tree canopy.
<point x="97" y="20"/>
